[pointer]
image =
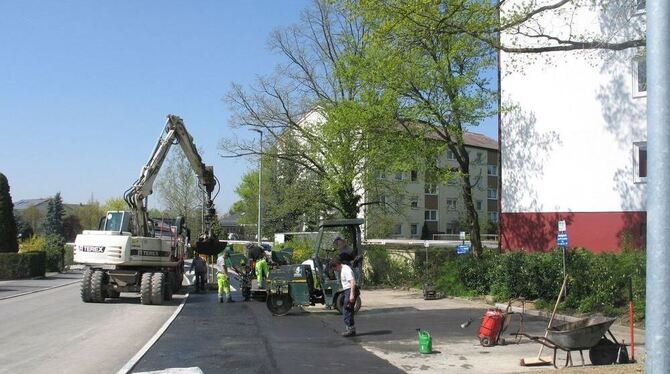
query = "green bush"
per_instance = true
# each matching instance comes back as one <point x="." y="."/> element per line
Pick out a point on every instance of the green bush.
<point x="597" y="283"/>
<point x="383" y="268"/>
<point x="69" y="255"/>
<point x="22" y="265"/>
<point x="54" y="247"/>
<point x="449" y="282"/>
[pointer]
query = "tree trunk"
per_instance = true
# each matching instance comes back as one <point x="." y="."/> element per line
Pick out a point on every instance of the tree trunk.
<point x="472" y="216"/>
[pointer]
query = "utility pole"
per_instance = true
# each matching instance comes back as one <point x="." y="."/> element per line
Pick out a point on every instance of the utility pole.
<point x="260" y="173"/>
<point x="657" y="339"/>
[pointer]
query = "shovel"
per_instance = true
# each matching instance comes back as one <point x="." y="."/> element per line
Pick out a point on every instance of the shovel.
<point x="547" y="360"/>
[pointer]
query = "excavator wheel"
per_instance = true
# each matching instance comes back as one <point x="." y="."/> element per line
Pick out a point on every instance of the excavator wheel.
<point x="86" y="286"/>
<point x="177" y="278"/>
<point x="157" y="288"/>
<point x="169" y="286"/>
<point x="145" y="289"/>
<point x="98" y="286"/>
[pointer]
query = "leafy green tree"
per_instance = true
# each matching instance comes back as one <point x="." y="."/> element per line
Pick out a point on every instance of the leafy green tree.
<point x="23" y="228"/>
<point x="521" y="22"/>
<point x="438" y="81"/>
<point x="314" y="115"/>
<point x="8" y="241"/>
<point x="291" y="197"/>
<point x="54" y="246"/>
<point x="114" y="204"/>
<point x="71" y="227"/>
<point x="53" y="222"/>
<point x="34" y="218"/>
<point x="89" y="214"/>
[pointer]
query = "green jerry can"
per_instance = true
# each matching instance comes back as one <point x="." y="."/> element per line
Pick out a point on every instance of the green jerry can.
<point x="425" y="342"/>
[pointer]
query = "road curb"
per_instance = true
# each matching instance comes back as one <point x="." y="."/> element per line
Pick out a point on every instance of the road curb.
<point x="128" y="367"/>
<point x="41" y="290"/>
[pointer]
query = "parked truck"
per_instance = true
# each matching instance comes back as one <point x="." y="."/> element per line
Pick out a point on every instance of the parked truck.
<point x="129" y="252"/>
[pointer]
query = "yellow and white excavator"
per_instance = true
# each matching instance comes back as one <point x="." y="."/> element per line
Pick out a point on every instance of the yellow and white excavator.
<point x="131" y="253"/>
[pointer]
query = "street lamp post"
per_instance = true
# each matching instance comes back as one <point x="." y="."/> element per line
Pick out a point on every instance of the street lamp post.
<point x="260" y="173"/>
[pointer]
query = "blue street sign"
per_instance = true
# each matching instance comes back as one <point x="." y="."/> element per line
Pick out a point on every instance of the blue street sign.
<point x="462" y="249"/>
<point x="562" y="240"/>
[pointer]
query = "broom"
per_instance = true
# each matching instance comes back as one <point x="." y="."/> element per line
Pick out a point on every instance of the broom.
<point x="539" y="360"/>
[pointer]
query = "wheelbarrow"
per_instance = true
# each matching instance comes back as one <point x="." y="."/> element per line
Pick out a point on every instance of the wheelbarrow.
<point x="574" y="336"/>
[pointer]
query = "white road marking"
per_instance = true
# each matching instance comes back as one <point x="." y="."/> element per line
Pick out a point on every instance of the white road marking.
<point x="138" y="356"/>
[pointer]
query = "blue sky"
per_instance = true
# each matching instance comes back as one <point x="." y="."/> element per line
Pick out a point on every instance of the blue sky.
<point x="85" y="87"/>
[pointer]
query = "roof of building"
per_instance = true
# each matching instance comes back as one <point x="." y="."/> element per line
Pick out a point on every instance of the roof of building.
<point x="27" y="203"/>
<point x="474" y="139"/>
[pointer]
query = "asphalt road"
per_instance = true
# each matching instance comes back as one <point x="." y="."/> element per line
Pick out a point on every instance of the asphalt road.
<point x="243" y="337"/>
<point x="53" y="331"/>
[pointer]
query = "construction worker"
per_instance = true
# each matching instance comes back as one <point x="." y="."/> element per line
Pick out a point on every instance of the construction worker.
<point x="224" y="284"/>
<point x="200" y="267"/>
<point x="350" y="294"/>
<point x="262" y="271"/>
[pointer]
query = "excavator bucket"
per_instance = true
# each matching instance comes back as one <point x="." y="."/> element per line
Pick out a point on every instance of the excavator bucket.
<point x="210" y="246"/>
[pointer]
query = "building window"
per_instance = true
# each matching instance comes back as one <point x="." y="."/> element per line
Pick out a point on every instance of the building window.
<point x="397" y="230"/>
<point x="492" y="194"/>
<point x="399" y="176"/>
<point x="493" y="217"/>
<point x="451" y="155"/>
<point x="430" y="215"/>
<point x="414" y="202"/>
<point x="414" y="175"/>
<point x="640" y="76"/>
<point x="431" y="189"/>
<point x="382" y="200"/>
<point x="452" y="181"/>
<point x="479" y="157"/>
<point x="478" y="205"/>
<point x="414" y="229"/>
<point x="640" y="162"/>
<point x="492" y="170"/>
<point x="451" y="204"/>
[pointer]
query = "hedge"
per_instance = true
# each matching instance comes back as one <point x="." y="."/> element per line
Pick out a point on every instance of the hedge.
<point x="22" y="265"/>
<point x="597" y="283"/>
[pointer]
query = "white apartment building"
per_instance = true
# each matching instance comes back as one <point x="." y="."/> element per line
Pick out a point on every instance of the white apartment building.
<point x="439" y="206"/>
<point x="573" y="136"/>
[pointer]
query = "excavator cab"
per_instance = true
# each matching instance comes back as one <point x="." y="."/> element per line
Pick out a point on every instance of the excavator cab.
<point x="115" y="221"/>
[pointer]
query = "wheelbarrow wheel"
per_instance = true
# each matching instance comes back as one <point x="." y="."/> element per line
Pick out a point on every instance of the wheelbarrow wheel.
<point x="486" y="341"/>
<point x="279" y="304"/>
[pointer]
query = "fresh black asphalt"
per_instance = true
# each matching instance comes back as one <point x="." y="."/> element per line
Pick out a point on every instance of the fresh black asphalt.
<point x="243" y="337"/>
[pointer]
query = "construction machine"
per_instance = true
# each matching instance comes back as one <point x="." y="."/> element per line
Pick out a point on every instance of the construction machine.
<point x="313" y="282"/>
<point x="130" y="252"/>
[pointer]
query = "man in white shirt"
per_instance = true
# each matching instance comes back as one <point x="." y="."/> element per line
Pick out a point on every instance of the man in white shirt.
<point x="349" y="300"/>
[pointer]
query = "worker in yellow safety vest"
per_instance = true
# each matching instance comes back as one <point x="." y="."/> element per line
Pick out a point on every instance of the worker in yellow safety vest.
<point x="262" y="271"/>
<point x="224" y="284"/>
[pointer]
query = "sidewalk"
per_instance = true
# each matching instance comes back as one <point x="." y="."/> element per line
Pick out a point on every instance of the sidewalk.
<point x="456" y="349"/>
<point x="19" y="287"/>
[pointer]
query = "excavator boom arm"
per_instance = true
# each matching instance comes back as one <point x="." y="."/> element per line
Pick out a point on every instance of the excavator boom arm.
<point x="136" y="196"/>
